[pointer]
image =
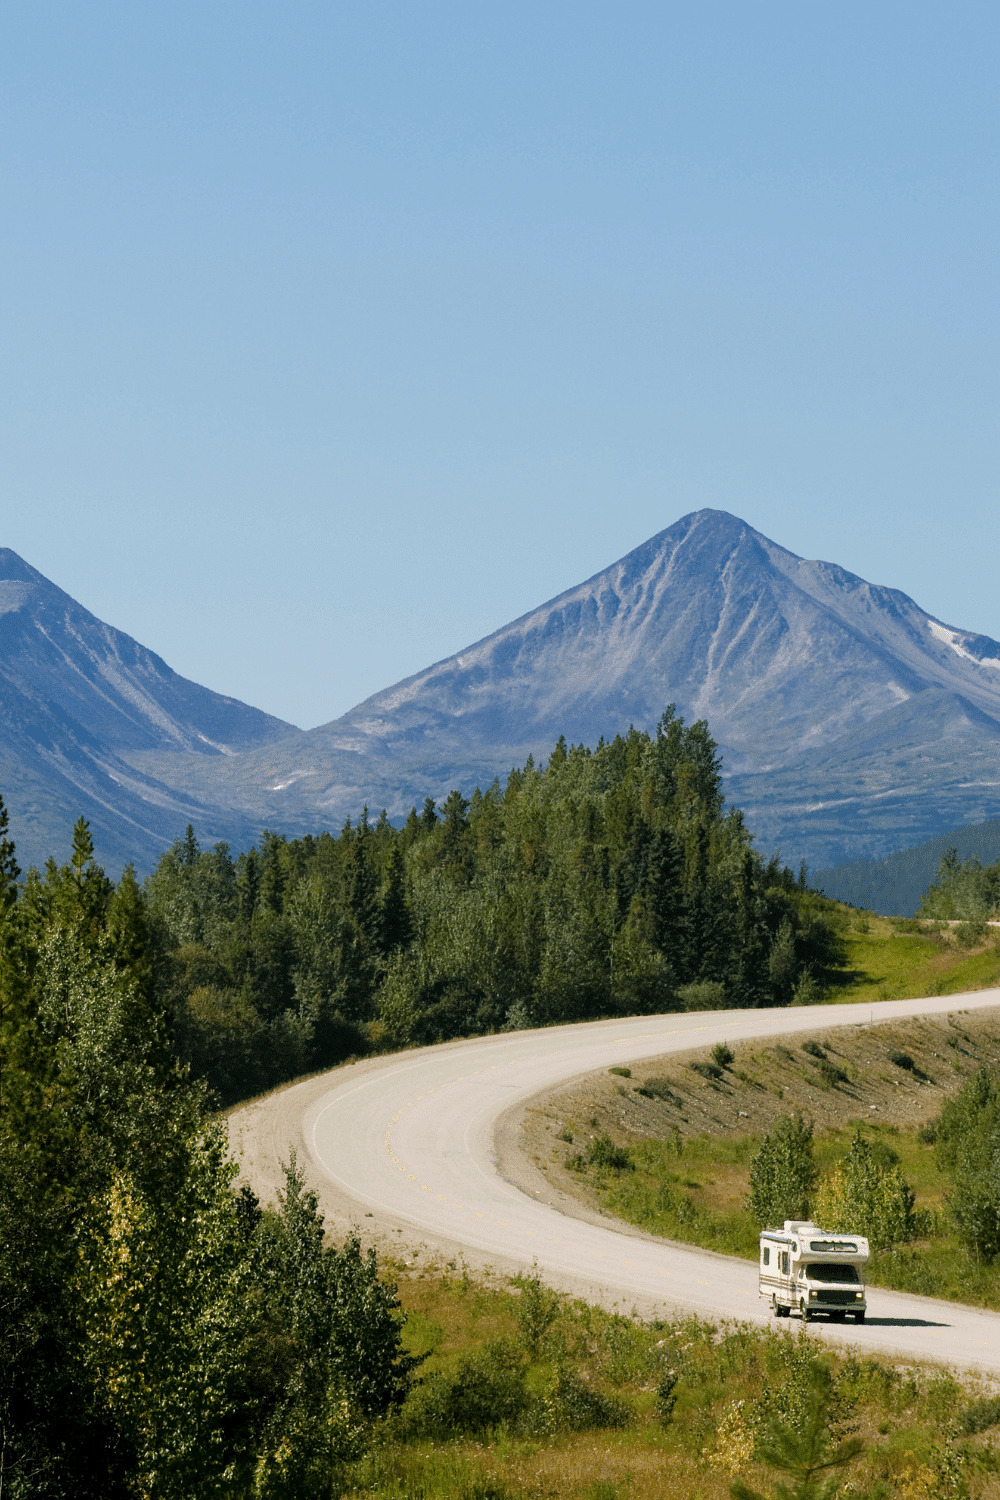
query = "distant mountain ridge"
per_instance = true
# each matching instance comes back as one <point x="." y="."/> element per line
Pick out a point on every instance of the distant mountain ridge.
<point x="851" y="722"/>
<point x="77" y="698"/>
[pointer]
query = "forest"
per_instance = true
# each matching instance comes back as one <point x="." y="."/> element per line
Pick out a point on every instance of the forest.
<point x="611" y="881"/>
<point x="165" y="1334"/>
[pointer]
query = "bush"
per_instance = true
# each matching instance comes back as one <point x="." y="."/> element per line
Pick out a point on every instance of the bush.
<point x="602" y="1152"/>
<point x="706" y="1069"/>
<point x="486" y="1389"/>
<point x="706" y="994"/>
<point x="722" y="1055"/>
<point x="783" y="1173"/>
<point x="813" y="1048"/>
<point x="902" y="1060"/>
<point x="537" y="1310"/>
<point x="658" y="1088"/>
<point x="666" y="1395"/>
<point x="830" y="1073"/>
<point x="573" y="1404"/>
<point x="968" y="1148"/>
<point x="968" y="934"/>
<point x="979" y="1415"/>
<point x="621" y="1072"/>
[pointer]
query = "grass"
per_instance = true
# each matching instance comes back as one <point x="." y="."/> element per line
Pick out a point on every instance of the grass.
<point x="690" y="1397"/>
<point x="889" y="962"/>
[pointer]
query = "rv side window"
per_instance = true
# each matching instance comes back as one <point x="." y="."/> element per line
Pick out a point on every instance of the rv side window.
<point x="767" y="1255"/>
<point x="784" y="1262"/>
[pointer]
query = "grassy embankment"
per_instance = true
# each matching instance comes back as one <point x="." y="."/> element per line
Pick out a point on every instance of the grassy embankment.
<point x="894" y="959"/>
<point x="690" y="1158"/>
<point x="531" y="1395"/>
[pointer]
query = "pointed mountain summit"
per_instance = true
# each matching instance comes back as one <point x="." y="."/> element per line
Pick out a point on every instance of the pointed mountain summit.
<point x="849" y="719"/>
<point x="77" y="698"/>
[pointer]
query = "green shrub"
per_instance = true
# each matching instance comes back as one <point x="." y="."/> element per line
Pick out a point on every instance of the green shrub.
<point x="486" y="1389"/>
<point x="573" y="1404"/>
<point x="621" y="1072"/>
<point x="813" y="1048"/>
<point x="867" y="1194"/>
<point x="537" y="1310"/>
<point x="979" y="1415"/>
<point x="968" y="934"/>
<point x="602" y="1152"/>
<point x="902" y="1060"/>
<point x="722" y="1055"/>
<point x="658" y="1088"/>
<point x="830" y="1073"/>
<point x="706" y="994"/>
<point x="706" y="1069"/>
<point x="666" y="1395"/>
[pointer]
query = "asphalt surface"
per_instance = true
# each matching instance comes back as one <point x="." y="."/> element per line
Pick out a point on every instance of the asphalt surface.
<point x="411" y="1142"/>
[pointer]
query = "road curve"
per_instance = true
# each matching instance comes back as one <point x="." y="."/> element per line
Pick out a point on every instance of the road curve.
<point x="410" y="1141"/>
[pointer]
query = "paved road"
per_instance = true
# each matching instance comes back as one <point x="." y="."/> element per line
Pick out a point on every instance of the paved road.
<point x="411" y="1140"/>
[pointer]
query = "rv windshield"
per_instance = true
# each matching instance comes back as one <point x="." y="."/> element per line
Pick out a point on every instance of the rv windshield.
<point x="826" y="1272"/>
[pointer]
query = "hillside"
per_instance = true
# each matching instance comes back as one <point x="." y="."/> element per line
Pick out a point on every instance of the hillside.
<point x="894" y="885"/>
<point x="78" y="699"/>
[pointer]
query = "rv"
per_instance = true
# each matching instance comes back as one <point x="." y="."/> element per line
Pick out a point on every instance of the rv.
<point x="804" y="1269"/>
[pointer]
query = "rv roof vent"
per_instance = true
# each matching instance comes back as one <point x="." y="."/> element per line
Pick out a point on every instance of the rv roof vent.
<point x="792" y="1224"/>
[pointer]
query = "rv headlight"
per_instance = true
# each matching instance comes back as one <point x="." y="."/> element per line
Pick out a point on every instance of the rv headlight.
<point x="859" y="1296"/>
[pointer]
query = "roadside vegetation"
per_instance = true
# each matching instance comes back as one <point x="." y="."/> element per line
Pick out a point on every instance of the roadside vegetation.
<point x="925" y="1190"/>
<point x="893" y="958"/>
<point x="526" y="1393"/>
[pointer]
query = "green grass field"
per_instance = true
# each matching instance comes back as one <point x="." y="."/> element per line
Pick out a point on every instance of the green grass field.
<point x="885" y="961"/>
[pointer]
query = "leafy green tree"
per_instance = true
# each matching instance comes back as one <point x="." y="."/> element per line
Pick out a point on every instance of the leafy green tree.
<point x="968" y="1150"/>
<point x="805" y="1450"/>
<point x="963" y="890"/>
<point x="867" y="1194"/>
<point x="783" y="1173"/>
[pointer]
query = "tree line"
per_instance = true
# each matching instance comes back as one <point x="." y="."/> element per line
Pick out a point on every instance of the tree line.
<point x="607" y="882"/>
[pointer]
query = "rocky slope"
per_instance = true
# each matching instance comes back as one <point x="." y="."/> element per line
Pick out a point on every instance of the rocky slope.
<point x="851" y="721"/>
<point x="77" y="699"/>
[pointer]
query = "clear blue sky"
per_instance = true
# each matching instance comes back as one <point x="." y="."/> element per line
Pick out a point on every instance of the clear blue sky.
<point x="335" y="336"/>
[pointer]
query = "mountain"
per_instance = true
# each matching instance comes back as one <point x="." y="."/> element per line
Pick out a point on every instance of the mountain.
<point x="851" y="721"/>
<point x="77" y="699"/>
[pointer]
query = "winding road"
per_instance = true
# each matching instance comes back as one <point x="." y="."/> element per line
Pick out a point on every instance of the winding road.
<point x="411" y="1143"/>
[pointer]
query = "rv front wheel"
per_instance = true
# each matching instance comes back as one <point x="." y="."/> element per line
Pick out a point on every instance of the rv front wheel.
<point x="859" y="1317"/>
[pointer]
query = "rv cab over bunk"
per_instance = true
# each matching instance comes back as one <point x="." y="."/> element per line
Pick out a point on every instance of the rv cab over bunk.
<point x="807" y="1270"/>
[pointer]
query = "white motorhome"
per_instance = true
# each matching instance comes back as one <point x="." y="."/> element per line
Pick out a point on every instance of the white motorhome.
<point x="806" y="1270"/>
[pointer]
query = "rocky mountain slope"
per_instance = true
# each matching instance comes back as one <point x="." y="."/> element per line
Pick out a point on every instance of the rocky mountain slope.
<point x="851" y="722"/>
<point x="77" y="698"/>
